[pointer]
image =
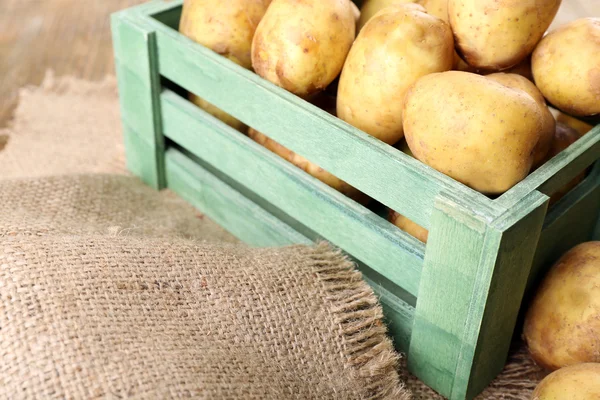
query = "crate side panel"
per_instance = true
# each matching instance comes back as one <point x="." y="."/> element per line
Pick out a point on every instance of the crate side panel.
<point x="559" y="171"/>
<point x="140" y="158"/>
<point x="340" y="220"/>
<point x="569" y="222"/>
<point x="224" y="205"/>
<point x="407" y="185"/>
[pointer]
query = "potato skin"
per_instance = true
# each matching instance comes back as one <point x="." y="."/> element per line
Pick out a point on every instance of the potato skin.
<point x="563" y="321"/>
<point x="573" y="47"/>
<point x="225" y="30"/>
<point x="217" y="113"/>
<point x="473" y="129"/>
<point x="579" y="126"/>
<point x="564" y="136"/>
<point x="307" y="166"/>
<point x="301" y="45"/>
<point x="437" y="8"/>
<point x="408" y="226"/>
<point x="497" y="34"/>
<point x="549" y="126"/>
<point x="372" y="7"/>
<point x="577" y="382"/>
<point x="395" y="48"/>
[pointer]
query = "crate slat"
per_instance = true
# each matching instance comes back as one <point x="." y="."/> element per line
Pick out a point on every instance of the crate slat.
<point x="225" y="206"/>
<point x="345" y="223"/>
<point x="558" y="171"/>
<point x="408" y="186"/>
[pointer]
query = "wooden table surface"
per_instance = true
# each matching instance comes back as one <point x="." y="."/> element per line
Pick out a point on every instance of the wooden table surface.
<point x="72" y="37"/>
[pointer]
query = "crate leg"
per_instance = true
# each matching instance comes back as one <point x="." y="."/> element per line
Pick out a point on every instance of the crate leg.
<point x="470" y="292"/>
<point x="139" y="91"/>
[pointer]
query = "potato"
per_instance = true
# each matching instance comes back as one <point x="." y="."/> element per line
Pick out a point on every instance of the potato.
<point x="523" y="68"/>
<point x="408" y="226"/>
<point x="473" y="129"/>
<point x="301" y="45"/>
<point x="496" y="35"/>
<point x="579" y="126"/>
<point x="307" y="166"/>
<point x="549" y="127"/>
<point x="577" y="382"/>
<point x="372" y="7"/>
<point x="217" y="112"/>
<point x="566" y="67"/>
<point x="395" y="48"/>
<point x="225" y="30"/>
<point x="562" y="325"/>
<point x="563" y="138"/>
<point x="437" y="8"/>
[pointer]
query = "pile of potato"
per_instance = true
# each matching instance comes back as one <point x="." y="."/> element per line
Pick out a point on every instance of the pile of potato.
<point x="450" y="81"/>
<point x="461" y="85"/>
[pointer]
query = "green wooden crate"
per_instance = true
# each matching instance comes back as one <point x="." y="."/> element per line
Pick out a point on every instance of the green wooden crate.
<point x="452" y="305"/>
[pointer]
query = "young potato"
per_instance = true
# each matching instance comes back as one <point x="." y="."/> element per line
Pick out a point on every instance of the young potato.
<point x="566" y="67"/>
<point x="473" y="129"/>
<point x="227" y="31"/>
<point x="577" y="382"/>
<point x="562" y="324"/>
<point x="564" y="136"/>
<point x="578" y="125"/>
<point x="437" y="8"/>
<point x="301" y="45"/>
<point x="372" y="7"/>
<point x="408" y="226"/>
<point x="308" y="167"/>
<point x="395" y="48"/>
<point x="523" y="68"/>
<point x="496" y="35"/>
<point x="515" y="81"/>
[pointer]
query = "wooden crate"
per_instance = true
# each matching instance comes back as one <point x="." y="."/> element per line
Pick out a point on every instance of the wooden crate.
<point x="452" y="305"/>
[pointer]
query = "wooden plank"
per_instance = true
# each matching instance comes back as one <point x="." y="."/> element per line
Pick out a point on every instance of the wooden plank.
<point x="357" y="230"/>
<point x="559" y="171"/>
<point x="407" y="185"/>
<point x="571" y="221"/>
<point x="471" y="277"/>
<point x="224" y="205"/>
<point x="139" y="86"/>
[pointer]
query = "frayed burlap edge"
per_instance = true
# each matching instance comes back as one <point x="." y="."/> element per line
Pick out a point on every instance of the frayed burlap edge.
<point x="356" y="310"/>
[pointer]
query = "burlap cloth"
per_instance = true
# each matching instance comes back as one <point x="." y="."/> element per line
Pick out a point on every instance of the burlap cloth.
<point x="109" y="289"/>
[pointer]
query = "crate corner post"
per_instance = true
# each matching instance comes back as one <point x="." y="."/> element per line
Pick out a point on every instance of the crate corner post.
<point x="139" y="90"/>
<point x="470" y="293"/>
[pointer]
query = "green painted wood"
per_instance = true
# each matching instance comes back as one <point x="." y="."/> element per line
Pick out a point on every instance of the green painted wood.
<point x="255" y="226"/>
<point x="571" y="221"/>
<point x="559" y="171"/>
<point x="139" y="87"/>
<point x="407" y="185"/>
<point x="342" y="221"/>
<point x="470" y="294"/>
<point x="225" y="205"/>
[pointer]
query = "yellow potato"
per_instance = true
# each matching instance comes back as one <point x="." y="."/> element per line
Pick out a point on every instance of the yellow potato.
<point x="372" y="7"/>
<point x="217" y="112"/>
<point x="562" y="325"/>
<point x="566" y="67"/>
<point x="307" y="166"/>
<point x="301" y="45"/>
<point x="496" y="35"/>
<point x="473" y="129"/>
<point x="227" y="31"/>
<point x="563" y="138"/>
<point x="396" y="47"/>
<point x="523" y="68"/>
<point x="408" y="226"/>
<point x="579" y="126"/>
<point x="437" y="8"/>
<point x="578" y="382"/>
<point x="549" y="128"/>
